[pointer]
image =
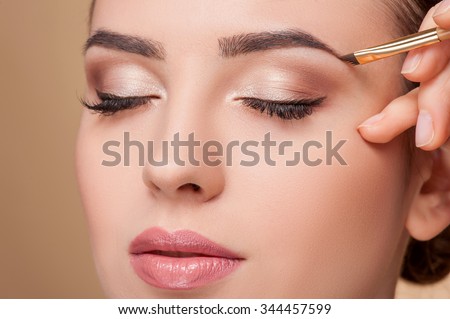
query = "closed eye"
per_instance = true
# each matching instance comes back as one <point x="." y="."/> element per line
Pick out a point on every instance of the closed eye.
<point x="111" y="103"/>
<point x="285" y="109"/>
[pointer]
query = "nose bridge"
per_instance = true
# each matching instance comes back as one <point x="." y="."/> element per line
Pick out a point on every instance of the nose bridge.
<point x="190" y="96"/>
<point x="186" y="126"/>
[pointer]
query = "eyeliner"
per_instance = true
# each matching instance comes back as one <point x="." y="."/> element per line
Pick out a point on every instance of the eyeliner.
<point x="400" y="45"/>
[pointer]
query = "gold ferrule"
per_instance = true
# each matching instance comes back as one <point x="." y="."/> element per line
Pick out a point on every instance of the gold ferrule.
<point x="405" y="44"/>
<point x="443" y="34"/>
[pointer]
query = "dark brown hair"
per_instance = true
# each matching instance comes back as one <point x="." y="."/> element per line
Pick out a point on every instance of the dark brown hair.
<point x="424" y="261"/>
<point x="91" y="12"/>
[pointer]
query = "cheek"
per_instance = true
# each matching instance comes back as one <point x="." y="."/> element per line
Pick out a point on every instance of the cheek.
<point x="326" y="226"/>
<point x="340" y="222"/>
<point x="110" y="197"/>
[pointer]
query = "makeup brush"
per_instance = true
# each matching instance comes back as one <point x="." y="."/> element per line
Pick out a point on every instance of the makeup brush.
<point x="401" y="45"/>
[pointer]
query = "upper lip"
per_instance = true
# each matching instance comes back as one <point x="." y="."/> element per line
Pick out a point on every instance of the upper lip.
<point x="157" y="240"/>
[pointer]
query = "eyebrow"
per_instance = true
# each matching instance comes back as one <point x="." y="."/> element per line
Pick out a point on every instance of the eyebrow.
<point x="262" y="41"/>
<point x="229" y="47"/>
<point x="128" y="43"/>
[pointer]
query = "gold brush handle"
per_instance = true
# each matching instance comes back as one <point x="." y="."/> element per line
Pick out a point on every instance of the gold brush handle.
<point x="401" y="45"/>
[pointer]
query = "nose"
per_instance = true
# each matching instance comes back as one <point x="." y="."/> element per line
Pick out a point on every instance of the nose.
<point x="176" y="182"/>
<point x="181" y="169"/>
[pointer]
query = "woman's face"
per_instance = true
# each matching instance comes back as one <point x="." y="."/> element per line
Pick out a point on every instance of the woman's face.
<point x="314" y="229"/>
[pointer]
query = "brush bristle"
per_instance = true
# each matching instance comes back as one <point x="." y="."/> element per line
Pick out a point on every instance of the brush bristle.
<point x="350" y="58"/>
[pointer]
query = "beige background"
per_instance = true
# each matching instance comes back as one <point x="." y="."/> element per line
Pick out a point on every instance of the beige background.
<point x="44" y="250"/>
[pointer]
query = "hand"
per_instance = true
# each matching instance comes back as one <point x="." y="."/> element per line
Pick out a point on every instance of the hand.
<point x="427" y="107"/>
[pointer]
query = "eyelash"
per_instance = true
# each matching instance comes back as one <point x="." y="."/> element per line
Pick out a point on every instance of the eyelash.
<point x="111" y="104"/>
<point x="285" y="110"/>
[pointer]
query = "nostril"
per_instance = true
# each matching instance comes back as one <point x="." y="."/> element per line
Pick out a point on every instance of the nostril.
<point x="190" y="186"/>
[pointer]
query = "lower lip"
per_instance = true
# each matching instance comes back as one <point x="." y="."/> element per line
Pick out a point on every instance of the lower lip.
<point x="181" y="273"/>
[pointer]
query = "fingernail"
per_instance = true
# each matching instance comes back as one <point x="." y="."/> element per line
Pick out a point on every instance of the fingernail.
<point x="372" y="121"/>
<point x="443" y="8"/>
<point x="411" y="63"/>
<point x="424" y="129"/>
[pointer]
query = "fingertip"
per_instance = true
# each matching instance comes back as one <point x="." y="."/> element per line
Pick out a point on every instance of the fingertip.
<point x="424" y="129"/>
<point x="372" y="120"/>
<point x="443" y="21"/>
<point x="411" y="63"/>
<point x="374" y="134"/>
<point x="412" y="77"/>
<point x="435" y="143"/>
<point x="364" y="131"/>
<point x="429" y="136"/>
<point x="371" y="130"/>
<point x="433" y="60"/>
<point x="441" y="15"/>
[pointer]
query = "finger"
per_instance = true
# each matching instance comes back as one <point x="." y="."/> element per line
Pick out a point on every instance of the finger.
<point x="442" y="14"/>
<point x="440" y="180"/>
<point x="433" y="125"/>
<point x="397" y="117"/>
<point x="428" y="22"/>
<point x="423" y="64"/>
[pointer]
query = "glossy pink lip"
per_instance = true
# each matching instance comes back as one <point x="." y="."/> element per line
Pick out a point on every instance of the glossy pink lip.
<point x="179" y="260"/>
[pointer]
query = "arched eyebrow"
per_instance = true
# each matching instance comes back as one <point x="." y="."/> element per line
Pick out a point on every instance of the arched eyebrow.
<point x="269" y="40"/>
<point x="229" y="47"/>
<point x="128" y="43"/>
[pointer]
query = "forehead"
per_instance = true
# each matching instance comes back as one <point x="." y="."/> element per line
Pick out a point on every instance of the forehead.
<point x="346" y="25"/>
